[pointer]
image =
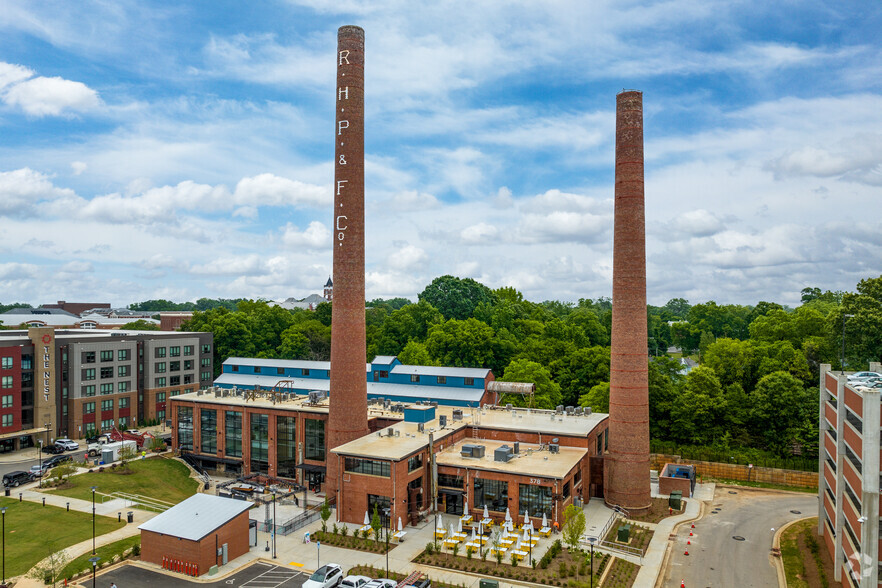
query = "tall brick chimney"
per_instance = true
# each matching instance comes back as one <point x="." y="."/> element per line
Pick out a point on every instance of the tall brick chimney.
<point x="626" y="476"/>
<point x="348" y="395"/>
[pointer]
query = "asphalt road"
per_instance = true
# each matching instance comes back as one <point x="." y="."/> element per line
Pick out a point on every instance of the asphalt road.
<point x="257" y="575"/>
<point x="732" y="542"/>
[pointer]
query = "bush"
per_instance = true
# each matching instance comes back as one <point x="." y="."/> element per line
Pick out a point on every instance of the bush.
<point x="136" y="549"/>
<point x="344" y="531"/>
<point x="430" y="548"/>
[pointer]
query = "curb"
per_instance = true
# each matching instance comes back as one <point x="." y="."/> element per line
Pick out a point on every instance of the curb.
<point x="674" y="531"/>
<point x="765" y="490"/>
<point x="778" y="562"/>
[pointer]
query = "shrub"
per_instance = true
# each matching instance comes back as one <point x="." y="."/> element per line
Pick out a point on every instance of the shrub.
<point x="514" y="560"/>
<point x="562" y="570"/>
<point x="455" y="549"/>
<point x="498" y="557"/>
<point x="430" y="548"/>
<point x="344" y="531"/>
<point x="334" y="529"/>
<point x="470" y="551"/>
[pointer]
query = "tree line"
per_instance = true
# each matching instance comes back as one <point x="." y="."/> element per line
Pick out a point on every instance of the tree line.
<point x="755" y="388"/>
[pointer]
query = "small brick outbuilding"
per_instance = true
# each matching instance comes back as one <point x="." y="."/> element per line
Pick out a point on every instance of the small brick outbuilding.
<point x="200" y="532"/>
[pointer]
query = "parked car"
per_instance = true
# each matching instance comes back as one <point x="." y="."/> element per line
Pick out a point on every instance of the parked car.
<point x="354" y="581"/>
<point x="53" y="449"/>
<point x="327" y="576"/>
<point x="17" y="478"/>
<point x="381" y="583"/>
<point x="67" y="444"/>
<point x="861" y="376"/>
<point x="57" y="460"/>
<point x="39" y="469"/>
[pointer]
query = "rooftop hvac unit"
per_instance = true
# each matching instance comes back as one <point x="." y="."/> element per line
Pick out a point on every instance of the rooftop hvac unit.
<point x="554" y="448"/>
<point x="435" y="404"/>
<point x="569" y="410"/>
<point x="421" y="427"/>
<point x="517" y="447"/>
<point x="442" y="420"/>
<point x="587" y="410"/>
<point x="457" y="414"/>
<point x="577" y="411"/>
<point x="502" y="453"/>
<point x="198" y="392"/>
<point x="472" y="450"/>
<point x="397" y="433"/>
<point x="508" y="407"/>
<point x="387" y="403"/>
<point x="559" y="409"/>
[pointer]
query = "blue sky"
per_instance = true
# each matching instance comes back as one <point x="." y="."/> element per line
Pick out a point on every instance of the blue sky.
<point x="150" y="151"/>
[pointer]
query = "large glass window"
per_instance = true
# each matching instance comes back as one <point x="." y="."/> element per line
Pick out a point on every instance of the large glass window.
<point x="315" y="439"/>
<point x="232" y="434"/>
<point x="159" y="367"/>
<point x="7" y="401"/>
<point x="415" y="462"/>
<point x="159" y="382"/>
<point x="106" y="372"/>
<point x="370" y="467"/>
<point x="88" y="357"/>
<point x="107" y="388"/>
<point x="88" y="408"/>
<point x="122" y="386"/>
<point x="286" y="447"/>
<point x="450" y="481"/>
<point x="174" y="351"/>
<point x="122" y="355"/>
<point x="107" y="405"/>
<point x="259" y="443"/>
<point x="107" y="356"/>
<point x="535" y="499"/>
<point x="208" y="430"/>
<point x="159" y="352"/>
<point x="491" y="493"/>
<point x="7" y="382"/>
<point x="124" y="402"/>
<point x="7" y="363"/>
<point x="88" y="374"/>
<point x="185" y="428"/>
<point x="122" y="371"/>
<point x="188" y="350"/>
<point x="7" y="420"/>
<point x="381" y="502"/>
<point x="174" y="366"/>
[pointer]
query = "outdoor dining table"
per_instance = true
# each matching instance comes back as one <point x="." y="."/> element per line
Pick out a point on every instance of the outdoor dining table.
<point x="545" y="531"/>
<point x="518" y="554"/>
<point x="466" y="519"/>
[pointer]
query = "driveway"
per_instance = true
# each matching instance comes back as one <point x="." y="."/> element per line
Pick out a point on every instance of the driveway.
<point x="732" y="541"/>
<point x="257" y="575"/>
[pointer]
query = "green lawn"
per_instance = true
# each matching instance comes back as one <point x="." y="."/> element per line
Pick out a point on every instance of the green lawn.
<point x="106" y="553"/>
<point x="160" y="478"/>
<point x="33" y="530"/>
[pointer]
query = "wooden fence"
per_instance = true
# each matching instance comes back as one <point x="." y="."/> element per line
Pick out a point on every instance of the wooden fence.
<point x="731" y="471"/>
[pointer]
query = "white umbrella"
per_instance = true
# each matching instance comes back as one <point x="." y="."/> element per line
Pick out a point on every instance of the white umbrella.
<point x="530" y="527"/>
<point x="507" y="514"/>
<point x="367" y="521"/>
<point x="400" y="528"/>
<point x="486" y="512"/>
<point x="451" y="531"/>
<point x="438" y="524"/>
<point x="527" y="533"/>
<point x="518" y="544"/>
<point x="526" y="517"/>
<point x="474" y="535"/>
<point x="459" y="526"/>
<point x="544" y="521"/>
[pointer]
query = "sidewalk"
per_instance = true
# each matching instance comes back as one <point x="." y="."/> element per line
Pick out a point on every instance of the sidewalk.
<point x="22" y="455"/>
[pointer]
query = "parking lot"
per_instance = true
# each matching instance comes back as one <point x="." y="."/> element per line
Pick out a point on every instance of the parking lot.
<point x="257" y="575"/>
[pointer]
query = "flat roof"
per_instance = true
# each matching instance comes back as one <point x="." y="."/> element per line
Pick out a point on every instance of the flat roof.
<point x="530" y="461"/>
<point x="429" y="370"/>
<point x="299" y="402"/>
<point x="279" y="363"/>
<point x="196" y="517"/>
<point x="270" y="381"/>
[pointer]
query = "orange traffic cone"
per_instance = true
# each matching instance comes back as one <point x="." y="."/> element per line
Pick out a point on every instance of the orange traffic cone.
<point x="688" y="542"/>
<point x="687" y="552"/>
<point x="690" y="533"/>
<point x="682" y="583"/>
<point x="693" y="525"/>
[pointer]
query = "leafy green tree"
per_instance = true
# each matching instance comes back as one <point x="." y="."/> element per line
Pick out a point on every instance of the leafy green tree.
<point x="409" y="323"/>
<point x="376" y="524"/>
<point x="456" y="298"/>
<point x="547" y="393"/>
<point x="8" y="307"/>
<point x="695" y="417"/>
<point x="678" y="308"/>
<point x="415" y="353"/>
<point x="781" y="409"/>
<point x="325" y="514"/>
<point x="863" y="337"/>
<point x="140" y="325"/>
<point x="580" y="371"/>
<point x="733" y="361"/>
<point x="574" y="525"/>
<point x="388" y="304"/>
<point x="597" y="397"/>
<point x="295" y="345"/>
<point x="664" y="382"/>
<point x="323" y="313"/>
<point x="467" y="343"/>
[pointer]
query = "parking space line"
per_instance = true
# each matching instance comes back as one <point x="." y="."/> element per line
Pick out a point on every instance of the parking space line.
<point x="273" y="578"/>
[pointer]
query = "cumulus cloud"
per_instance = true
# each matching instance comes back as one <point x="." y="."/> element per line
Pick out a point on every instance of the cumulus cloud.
<point x="22" y="189"/>
<point x="406" y="258"/>
<point x="315" y="236"/>
<point x="11" y="74"/>
<point x="479" y="233"/>
<point x="696" y="223"/>
<point x="248" y="265"/>
<point x="271" y="190"/>
<point x="52" y="97"/>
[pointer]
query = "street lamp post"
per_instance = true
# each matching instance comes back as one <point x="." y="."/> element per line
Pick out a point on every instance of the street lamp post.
<point x="94" y="561"/>
<point x="3" y="511"/>
<point x="274" y="525"/>
<point x="530" y="529"/>
<point x="591" y="567"/>
<point x="387" y="514"/>
<point x="40" y="456"/>
<point x="93" y="519"/>
<point x="842" y="357"/>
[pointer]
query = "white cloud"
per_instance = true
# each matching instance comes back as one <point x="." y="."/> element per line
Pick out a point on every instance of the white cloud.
<point x="78" y="167"/>
<point x="271" y="190"/>
<point x="51" y="96"/>
<point x="407" y="258"/>
<point x="247" y="265"/>
<point x="316" y="236"/>
<point x="479" y="233"/>
<point x="21" y="189"/>
<point x="11" y="74"/>
<point x="696" y="223"/>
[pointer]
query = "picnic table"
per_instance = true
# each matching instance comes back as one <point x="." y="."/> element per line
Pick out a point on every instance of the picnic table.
<point x="545" y="531"/>
<point x="400" y="536"/>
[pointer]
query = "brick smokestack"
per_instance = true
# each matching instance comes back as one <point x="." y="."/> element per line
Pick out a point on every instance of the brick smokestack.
<point x="626" y="477"/>
<point x="348" y="402"/>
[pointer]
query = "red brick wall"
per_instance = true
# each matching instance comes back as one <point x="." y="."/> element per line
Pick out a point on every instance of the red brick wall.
<point x="15" y="391"/>
<point x="154" y="546"/>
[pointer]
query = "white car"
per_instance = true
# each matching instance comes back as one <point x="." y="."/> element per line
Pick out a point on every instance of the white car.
<point x="327" y="576"/>
<point x="67" y="444"/>
<point x="381" y="583"/>
<point x="354" y="581"/>
<point x="861" y="376"/>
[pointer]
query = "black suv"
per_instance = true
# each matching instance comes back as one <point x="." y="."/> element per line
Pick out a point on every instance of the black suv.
<point x="56" y="460"/>
<point x="53" y="449"/>
<point x="18" y="478"/>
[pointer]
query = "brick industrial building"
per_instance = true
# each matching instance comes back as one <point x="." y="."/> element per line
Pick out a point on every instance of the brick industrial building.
<point x="56" y="383"/>
<point x="416" y="458"/>
<point x="848" y="486"/>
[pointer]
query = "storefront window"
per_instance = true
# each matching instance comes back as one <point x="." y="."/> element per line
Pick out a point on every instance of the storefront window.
<point x="450" y="481"/>
<point x="208" y="430"/>
<point x="233" y="434"/>
<point x="491" y="493"/>
<point x="185" y="428"/>
<point x="259" y="444"/>
<point x="370" y="467"/>
<point x="315" y="439"/>
<point x="286" y="446"/>
<point x="535" y="499"/>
